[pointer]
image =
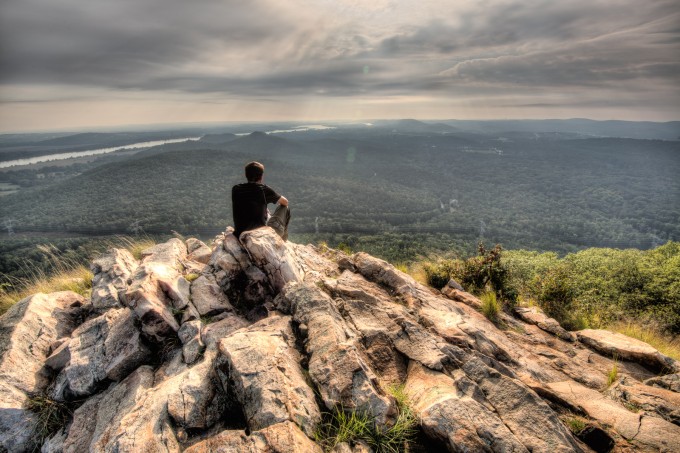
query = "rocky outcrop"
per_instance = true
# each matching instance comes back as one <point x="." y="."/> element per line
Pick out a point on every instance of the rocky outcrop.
<point x="625" y="348"/>
<point x="534" y="315"/>
<point x="28" y="332"/>
<point x="264" y="369"/>
<point x="251" y="345"/>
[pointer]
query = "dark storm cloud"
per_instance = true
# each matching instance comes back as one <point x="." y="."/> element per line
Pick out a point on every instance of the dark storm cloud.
<point x="265" y="47"/>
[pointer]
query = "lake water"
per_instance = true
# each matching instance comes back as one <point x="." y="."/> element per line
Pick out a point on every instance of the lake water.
<point x="91" y="152"/>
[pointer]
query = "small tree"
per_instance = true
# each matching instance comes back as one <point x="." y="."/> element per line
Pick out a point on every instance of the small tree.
<point x="486" y="271"/>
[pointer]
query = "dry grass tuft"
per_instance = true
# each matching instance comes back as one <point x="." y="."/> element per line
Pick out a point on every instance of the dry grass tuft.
<point x="64" y="274"/>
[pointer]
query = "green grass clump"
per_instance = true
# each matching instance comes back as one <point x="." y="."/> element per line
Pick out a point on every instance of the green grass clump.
<point x="355" y="426"/>
<point x="343" y="426"/>
<point x="51" y="417"/>
<point x="613" y="373"/>
<point x="191" y="277"/>
<point x="575" y="425"/>
<point x="490" y="306"/>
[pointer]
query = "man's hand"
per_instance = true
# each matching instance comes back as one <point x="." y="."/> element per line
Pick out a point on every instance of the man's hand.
<point x="283" y="201"/>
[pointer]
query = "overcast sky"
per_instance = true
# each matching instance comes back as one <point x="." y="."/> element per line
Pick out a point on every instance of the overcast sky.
<point x="75" y="63"/>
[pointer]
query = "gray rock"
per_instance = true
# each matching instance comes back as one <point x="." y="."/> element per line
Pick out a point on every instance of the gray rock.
<point x="190" y="336"/>
<point x="455" y="417"/>
<point x="668" y="381"/>
<point x="283" y="437"/>
<point x="207" y="296"/>
<point x="130" y="416"/>
<point x="201" y="254"/>
<point x="55" y="443"/>
<point x="534" y="315"/>
<point x="170" y="253"/>
<point x="150" y="297"/>
<point x="270" y="253"/>
<point x="634" y="394"/>
<point x="373" y="313"/>
<point x="194" y="244"/>
<point x="267" y="378"/>
<point x="214" y="332"/>
<point x="455" y="285"/>
<point x="528" y="417"/>
<point x="108" y="347"/>
<point x="625" y="348"/>
<point x="60" y="357"/>
<point x="196" y="399"/>
<point x="650" y="433"/>
<point x="336" y="366"/>
<point x="111" y="272"/>
<point x="27" y="331"/>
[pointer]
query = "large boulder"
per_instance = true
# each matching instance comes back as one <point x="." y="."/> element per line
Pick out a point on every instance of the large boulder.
<point x="106" y="348"/>
<point x="208" y="297"/>
<point x="28" y="331"/>
<point x="623" y="347"/>
<point x="534" y="315"/>
<point x="196" y="398"/>
<point x="128" y="417"/>
<point x="270" y="253"/>
<point x="530" y="418"/>
<point x="455" y="414"/>
<point x="267" y="378"/>
<point x="198" y="251"/>
<point x="336" y="364"/>
<point x="157" y="293"/>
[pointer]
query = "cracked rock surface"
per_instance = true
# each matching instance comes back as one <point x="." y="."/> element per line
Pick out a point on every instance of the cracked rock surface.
<point x="249" y="352"/>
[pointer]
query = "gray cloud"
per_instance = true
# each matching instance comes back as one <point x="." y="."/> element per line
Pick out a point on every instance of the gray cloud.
<point x="268" y="48"/>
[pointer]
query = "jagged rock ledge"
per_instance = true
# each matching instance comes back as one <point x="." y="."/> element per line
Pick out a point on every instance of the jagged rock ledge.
<point x="270" y="335"/>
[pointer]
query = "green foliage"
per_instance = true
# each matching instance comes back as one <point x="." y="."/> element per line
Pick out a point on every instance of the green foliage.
<point x="600" y="287"/>
<point x="546" y="193"/>
<point x="490" y="306"/>
<point x="343" y="426"/>
<point x="344" y="248"/>
<point x="438" y="273"/>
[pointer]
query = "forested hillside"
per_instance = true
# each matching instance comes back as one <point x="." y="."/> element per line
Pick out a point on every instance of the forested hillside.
<point x="526" y="190"/>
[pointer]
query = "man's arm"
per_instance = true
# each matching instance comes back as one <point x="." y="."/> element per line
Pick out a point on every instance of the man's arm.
<point x="283" y="201"/>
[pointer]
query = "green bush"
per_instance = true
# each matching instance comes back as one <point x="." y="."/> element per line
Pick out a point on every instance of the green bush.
<point x="439" y="273"/>
<point x="599" y="287"/>
<point x="490" y="306"/>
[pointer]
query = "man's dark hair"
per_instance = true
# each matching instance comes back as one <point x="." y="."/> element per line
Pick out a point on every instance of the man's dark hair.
<point x="254" y="171"/>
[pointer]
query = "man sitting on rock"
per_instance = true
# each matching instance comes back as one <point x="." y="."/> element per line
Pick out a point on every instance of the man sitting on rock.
<point x="250" y="200"/>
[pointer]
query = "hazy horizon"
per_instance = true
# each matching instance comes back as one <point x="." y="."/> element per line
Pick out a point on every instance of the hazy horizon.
<point x="73" y="66"/>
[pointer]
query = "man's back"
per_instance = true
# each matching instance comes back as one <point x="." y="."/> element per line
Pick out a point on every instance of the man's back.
<point x="249" y="203"/>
